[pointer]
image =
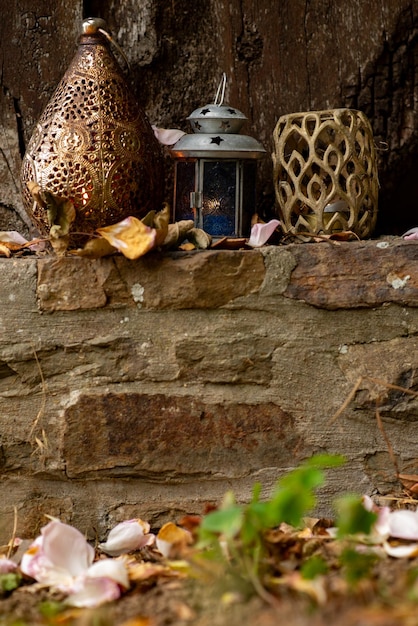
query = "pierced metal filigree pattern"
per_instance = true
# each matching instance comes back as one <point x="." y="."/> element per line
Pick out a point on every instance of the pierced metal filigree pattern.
<point x="94" y="145"/>
<point x="325" y="172"/>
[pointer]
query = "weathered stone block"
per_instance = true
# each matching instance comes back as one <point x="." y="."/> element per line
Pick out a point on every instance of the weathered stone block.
<point x="178" y="281"/>
<point x="244" y="359"/>
<point x="171" y="437"/>
<point x="355" y="274"/>
<point x="69" y="285"/>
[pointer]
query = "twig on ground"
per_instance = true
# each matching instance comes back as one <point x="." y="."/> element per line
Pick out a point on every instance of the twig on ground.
<point x="43" y="401"/>
<point x="13" y="537"/>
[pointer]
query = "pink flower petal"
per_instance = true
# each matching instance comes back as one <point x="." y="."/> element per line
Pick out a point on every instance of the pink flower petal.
<point x="58" y="555"/>
<point x="35" y="564"/>
<point x="126" y="537"/>
<point x="168" y="136"/>
<point x="12" y="236"/>
<point x="411" y="234"/>
<point x="261" y="233"/>
<point x="7" y="566"/>
<point x="404" y="525"/>
<point x="110" y="568"/>
<point x="91" y="592"/>
<point x="381" y="525"/>
<point x="401" y="552"/>
<point x="67" y="548"/>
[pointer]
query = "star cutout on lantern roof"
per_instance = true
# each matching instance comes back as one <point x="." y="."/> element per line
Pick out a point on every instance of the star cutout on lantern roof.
<point x="197" y="125"/>
<point x="232" y="111"/>
<point x="204" y="111"/>
<point x="216" y="140"/>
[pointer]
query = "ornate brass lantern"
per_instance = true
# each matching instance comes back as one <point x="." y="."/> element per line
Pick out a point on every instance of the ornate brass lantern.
<point x="93" y="143"/>
<point x="215" y="174"/>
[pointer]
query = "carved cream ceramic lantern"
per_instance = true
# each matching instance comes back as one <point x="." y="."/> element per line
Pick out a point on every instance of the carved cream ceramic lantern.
<point x="325" y="173"/>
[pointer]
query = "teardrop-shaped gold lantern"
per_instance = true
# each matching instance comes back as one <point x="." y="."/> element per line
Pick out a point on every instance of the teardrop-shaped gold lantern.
<point x="93" y="144"/>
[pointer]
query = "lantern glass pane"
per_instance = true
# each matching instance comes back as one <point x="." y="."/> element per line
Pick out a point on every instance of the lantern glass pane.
<point x="219" y="198"/>
<point x="185" y="184"/>
<point x="249" y="170"/>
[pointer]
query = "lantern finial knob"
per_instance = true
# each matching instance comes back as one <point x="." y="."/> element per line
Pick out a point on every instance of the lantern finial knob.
<point x="93" y="25"/>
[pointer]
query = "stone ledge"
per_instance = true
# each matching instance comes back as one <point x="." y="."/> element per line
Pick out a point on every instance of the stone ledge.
<point x="199" y="280"/>
<point x="330" y="275"/>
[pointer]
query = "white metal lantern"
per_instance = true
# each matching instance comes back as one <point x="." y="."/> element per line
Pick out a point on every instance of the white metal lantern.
<point x="215" y="172"/>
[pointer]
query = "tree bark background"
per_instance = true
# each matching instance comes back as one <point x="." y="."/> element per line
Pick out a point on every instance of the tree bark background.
<point x="279" y="56"/>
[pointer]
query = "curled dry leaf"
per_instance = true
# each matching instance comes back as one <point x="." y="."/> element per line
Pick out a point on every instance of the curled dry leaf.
<point x="138" y="572"/>
<point x="130" y="236"/>
<point x="60" y="210"/>
<point x="161" y="221"/>
<point x="172" y="540"/>
<point x="58" y="240"/>
<point x="5" y="250"/>
<point x="200" y="238"/>
<point x="148" y="220"/>
<point x="61" y="214"/>
<point x="95" y="249"/>
<point x="177" y="233"/>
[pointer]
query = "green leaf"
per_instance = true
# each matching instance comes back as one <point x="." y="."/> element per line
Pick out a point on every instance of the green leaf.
<point x="353" y="517"/>
<point x="357" y="565"/>
<point x="294" y="495"/>
<point x="313" y="567"/>
<point x="50" y="608"/>
<point x="10" y="581"/>
<point x="226" y="522"/>
<point x="325" y="460"/>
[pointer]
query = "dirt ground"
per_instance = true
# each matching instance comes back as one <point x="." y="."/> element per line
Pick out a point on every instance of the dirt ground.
<point x="387" y="597"/>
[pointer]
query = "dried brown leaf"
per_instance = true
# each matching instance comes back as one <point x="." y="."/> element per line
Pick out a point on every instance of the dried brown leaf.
<point x="200" y="238"/>
<point x="161" y="222"/>
<point x="187" y="247"/>
<point x="148" y="220"/>
<point x="146" y="570"/>
<point x="4" y="250"/>
<point x="177" y="233"/>
<point x="95" y="249"/>
<point x="130" y="236"/>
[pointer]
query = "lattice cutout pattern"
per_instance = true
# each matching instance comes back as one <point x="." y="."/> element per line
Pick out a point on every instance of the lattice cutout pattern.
<point x="94" y="145"/>
<point x="325" y="173"/>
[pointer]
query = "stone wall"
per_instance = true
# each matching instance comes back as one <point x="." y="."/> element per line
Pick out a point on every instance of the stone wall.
<point x="149" y="388"/>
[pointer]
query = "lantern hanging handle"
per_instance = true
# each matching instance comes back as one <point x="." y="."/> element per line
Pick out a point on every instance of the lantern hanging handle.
<point x="222" y="86"/>
<point x="118" y="48"/>
<point x="93" y="25"/>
